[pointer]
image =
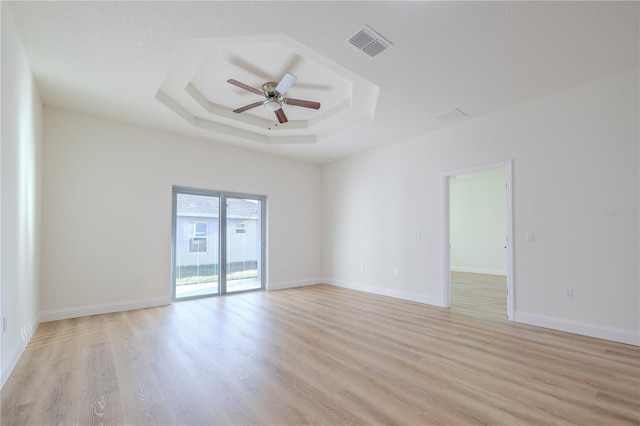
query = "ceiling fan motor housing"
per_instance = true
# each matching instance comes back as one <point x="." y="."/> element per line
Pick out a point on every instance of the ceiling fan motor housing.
<point x="269" y="89"/>
<point x="272" y="103"/>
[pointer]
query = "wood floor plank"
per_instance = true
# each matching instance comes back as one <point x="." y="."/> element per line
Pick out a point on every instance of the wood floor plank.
<point x="322" y="355"/>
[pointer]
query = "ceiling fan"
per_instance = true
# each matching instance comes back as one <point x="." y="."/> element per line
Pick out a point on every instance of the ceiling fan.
<point x="273" y="96"/>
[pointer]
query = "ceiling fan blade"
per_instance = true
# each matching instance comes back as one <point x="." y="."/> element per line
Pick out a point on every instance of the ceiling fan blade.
<point x="294" y="63"/>
<point x="286" y="82"/>
<point x="246" y="107"/>
<point x="282" y="118"/>
<point x="248" y="66"/>
<point x="245" y="87"/>
<point x="302" y="103"/>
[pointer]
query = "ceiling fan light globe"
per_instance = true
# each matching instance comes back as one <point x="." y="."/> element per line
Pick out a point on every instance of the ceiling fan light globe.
<point x="272" y="105"/>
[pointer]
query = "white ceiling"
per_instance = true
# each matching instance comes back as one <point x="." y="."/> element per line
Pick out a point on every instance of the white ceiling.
<point x="112" y="59"/>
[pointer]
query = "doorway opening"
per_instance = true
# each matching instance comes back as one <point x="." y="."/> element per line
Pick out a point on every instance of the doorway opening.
<point x="218" y="244"/>
<point x="478" y="254"/>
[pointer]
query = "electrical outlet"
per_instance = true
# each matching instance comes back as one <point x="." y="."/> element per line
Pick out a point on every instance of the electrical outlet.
<point x="395" y="273"/>
<point x="568" y="292"/>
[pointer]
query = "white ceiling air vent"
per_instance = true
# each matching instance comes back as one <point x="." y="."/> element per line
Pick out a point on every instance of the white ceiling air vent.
<point x="368" y="41"/>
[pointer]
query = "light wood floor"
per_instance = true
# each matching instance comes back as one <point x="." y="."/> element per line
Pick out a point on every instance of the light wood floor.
<point x="321" y="355"/>
<point x="479" y="295"/>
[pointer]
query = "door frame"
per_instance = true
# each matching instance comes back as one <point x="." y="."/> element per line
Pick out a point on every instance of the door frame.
<point x="222" y="268"/>
<point x="446" y="234"/>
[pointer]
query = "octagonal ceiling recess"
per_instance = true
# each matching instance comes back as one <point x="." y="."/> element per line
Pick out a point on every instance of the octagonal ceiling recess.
<point x="195" y="87"/>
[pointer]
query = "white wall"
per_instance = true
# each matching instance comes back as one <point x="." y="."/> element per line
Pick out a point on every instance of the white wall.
<point x="20" y="167"/>
<point x="107" y="197"/>
<point x="575" y="159"/>
<point x="478" y="222"/>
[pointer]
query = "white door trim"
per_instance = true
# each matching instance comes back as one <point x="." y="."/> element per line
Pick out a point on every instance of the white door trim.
<point x="446" y="237"/>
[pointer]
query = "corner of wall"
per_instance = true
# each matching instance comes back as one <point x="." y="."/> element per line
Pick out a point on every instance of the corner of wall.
<point x="21" y="194"/>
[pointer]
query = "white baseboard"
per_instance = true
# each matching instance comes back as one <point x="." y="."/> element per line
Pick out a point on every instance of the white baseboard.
<point x="105" y="308"/>
<point x="291" y="284"/>
<point x="14" y="361"/>
<point x="478" y="270"/>
<point x="28" y="330"/>
<point x="398" y="294"/>
<point x="585" y="329"/>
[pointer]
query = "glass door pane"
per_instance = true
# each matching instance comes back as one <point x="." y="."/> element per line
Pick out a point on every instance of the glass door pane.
<point x="197" y="242"/>
<point x="243" y="258"/>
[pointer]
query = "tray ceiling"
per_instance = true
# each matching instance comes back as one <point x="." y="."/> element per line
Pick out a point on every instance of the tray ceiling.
<point x="195" y="87"/>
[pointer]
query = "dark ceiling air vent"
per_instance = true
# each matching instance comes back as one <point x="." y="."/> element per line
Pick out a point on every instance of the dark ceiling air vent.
<point x="369" y="42"/>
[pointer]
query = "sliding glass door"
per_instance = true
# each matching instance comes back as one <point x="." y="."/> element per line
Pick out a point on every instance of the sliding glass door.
<point x="217" y="250"/>
<point x="196" y="245"/>
<point x="243" y="244"/>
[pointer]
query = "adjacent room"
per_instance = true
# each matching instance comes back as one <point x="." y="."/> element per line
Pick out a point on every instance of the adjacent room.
<point x="312" y="212"/>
